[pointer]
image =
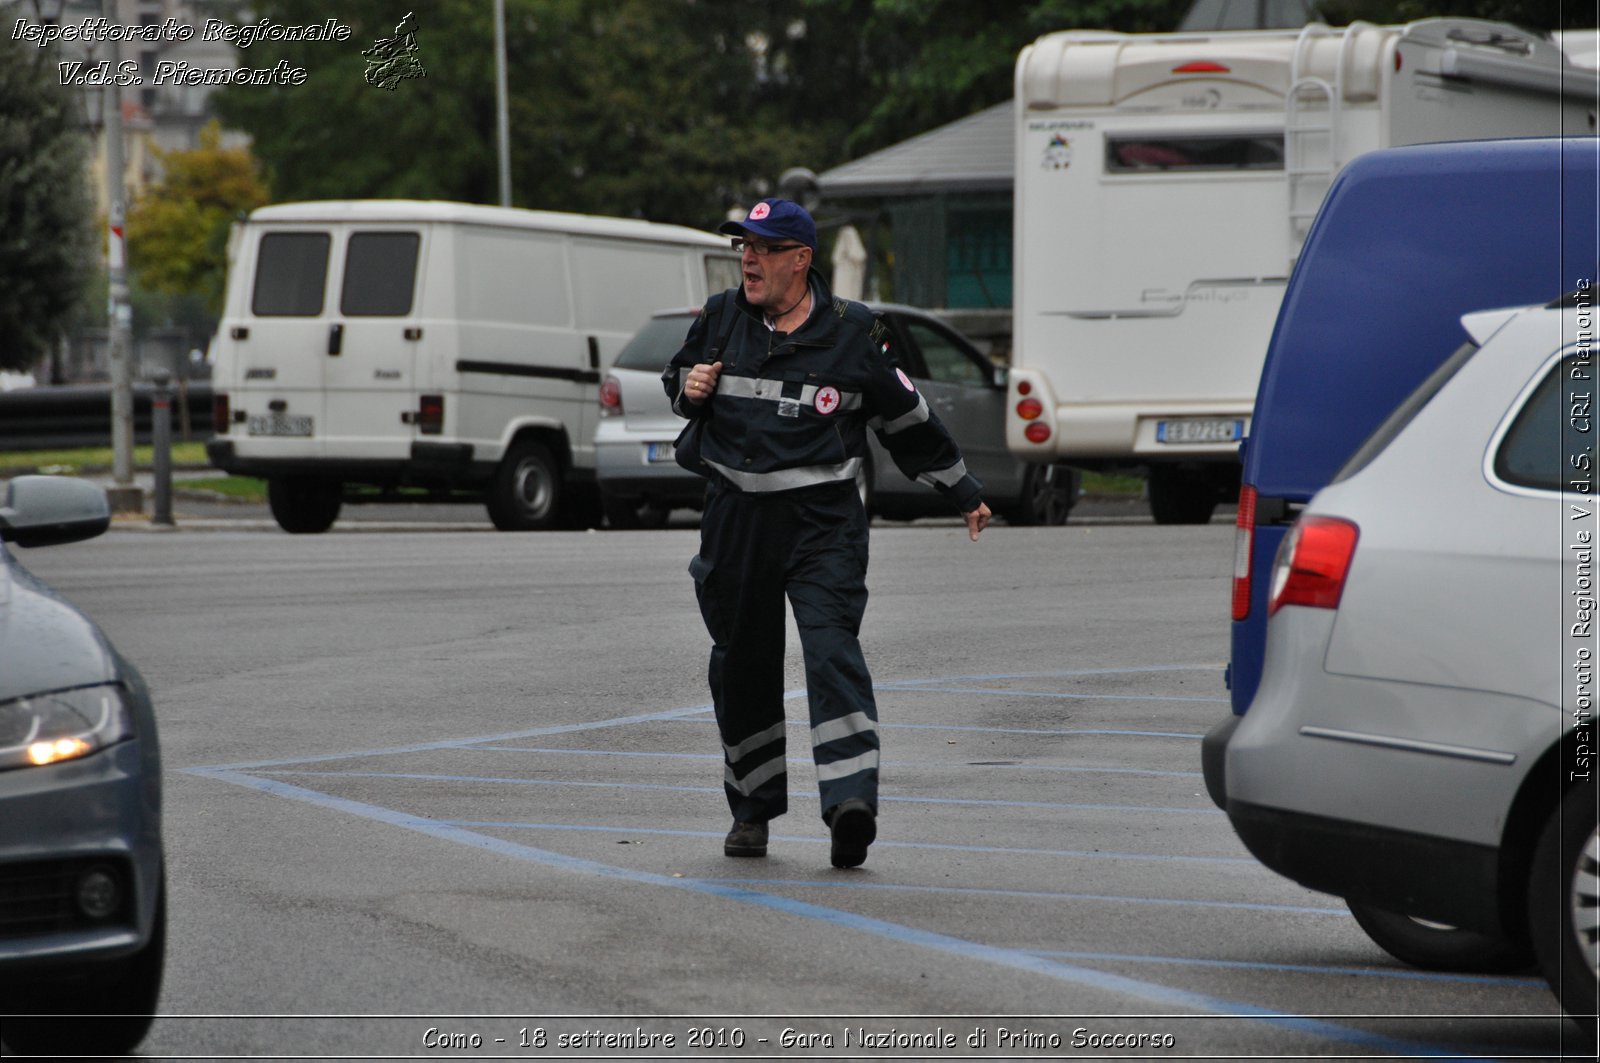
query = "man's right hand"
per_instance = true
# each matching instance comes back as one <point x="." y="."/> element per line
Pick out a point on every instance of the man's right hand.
<point x="702" y="382"/>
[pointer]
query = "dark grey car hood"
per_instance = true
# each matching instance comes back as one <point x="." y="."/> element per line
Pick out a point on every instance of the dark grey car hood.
<point x="45" y="642"/>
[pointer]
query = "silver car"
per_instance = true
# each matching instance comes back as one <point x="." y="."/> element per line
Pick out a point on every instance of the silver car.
<point x="82" y="894"/>
<point x="641" y="484"/>
<point x="1422" y="741"/>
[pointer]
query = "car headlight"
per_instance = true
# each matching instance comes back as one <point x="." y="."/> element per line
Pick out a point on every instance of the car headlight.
<point x="63" y="725"/>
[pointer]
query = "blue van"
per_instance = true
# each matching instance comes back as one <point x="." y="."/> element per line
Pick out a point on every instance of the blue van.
<point x="1407" y="241"/>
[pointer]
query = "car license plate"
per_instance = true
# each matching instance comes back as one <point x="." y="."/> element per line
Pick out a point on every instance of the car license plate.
<point x="658" y="452"/>
<point x="1200" y="430"/>
<point x="279" y="424"/>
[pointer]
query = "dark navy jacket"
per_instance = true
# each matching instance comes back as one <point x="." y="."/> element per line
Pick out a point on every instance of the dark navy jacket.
<point x="791" y="410"/>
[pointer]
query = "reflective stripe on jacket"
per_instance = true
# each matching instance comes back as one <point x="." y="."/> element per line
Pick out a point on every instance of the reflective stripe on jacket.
<point x="791" y="410"/>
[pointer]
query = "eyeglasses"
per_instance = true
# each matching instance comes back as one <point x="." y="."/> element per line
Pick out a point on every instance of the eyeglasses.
<point x="763" y="249"/>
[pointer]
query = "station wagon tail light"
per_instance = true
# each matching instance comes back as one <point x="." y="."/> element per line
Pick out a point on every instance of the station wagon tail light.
<point x="219" y="412"/>
<point x="1244" y="549"/>
<point x="610" y="397"/>
<point x="1312" y="563"/>
<point x="430" y="415"/>
<point x="1037" y="432"/>
<point x="1030" y="409"/>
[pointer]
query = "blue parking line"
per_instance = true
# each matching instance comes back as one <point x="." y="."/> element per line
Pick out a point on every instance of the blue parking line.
<point x="1052" y="695"/>
<point x="998" y="850"/>
<point x="1404" y="974"/>
<point x="899" y="933"/>
<point x="807" y="761"/>
<point x="1076" y="673"/>
<point x="973" y="728"/>
<point x="590" y="784"/>
<point x="1032" y="895"/>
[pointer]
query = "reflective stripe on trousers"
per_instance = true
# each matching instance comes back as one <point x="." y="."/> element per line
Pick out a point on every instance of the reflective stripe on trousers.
<point x="810" y="546"/>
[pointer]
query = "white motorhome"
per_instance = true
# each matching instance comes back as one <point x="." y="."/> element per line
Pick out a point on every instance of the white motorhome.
<point x="396" y="343"/>
<point x="1164" y="186"/>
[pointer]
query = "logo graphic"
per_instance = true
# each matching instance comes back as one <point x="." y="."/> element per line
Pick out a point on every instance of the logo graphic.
<point x="827" y="400"/>
<point x="1057" y="153"/>
<point x="394" y="59"/>
<point x="901" y="373"/>
<point x="760" y="210"/>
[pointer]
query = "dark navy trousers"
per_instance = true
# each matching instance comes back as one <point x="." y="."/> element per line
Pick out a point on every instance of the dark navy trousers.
<point x="755" y="549"/>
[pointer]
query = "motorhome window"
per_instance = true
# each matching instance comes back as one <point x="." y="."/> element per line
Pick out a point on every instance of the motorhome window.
<point x="291" y="270"/>
<point x="1194" y="154"/>
<point x="380" y="270"/>
<point x="653" y="346"/>
<point x="1530" y="453"/>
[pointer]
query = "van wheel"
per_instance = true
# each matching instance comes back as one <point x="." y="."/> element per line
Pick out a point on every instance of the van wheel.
<point x="125" y="991"/>
<point x="1048" y="494"/>
<point x="304" y="505"/>
<point x="1563" y="894"/>
<point x="1437" y="947"/>
<point x="1181" y="496"/>
<point x="526" y="493"/>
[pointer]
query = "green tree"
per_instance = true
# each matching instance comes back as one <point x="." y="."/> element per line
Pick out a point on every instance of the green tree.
<point x="178" y="229"/>
<point x="46" y="216"/>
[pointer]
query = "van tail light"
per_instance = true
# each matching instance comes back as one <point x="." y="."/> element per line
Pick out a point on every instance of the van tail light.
<point x="219" y="413"/>
<point x="610" y="397"/>
<point x="1244" y="551"/>
<point x="430" y="415"/>
<point x="1312" y="563"/>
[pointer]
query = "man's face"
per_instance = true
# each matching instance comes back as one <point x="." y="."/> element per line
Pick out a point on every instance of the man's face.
<point x="771" y="268"/>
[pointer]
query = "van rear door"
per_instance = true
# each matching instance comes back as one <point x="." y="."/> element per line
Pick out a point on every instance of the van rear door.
<point x="279" y="377"/>
<point x="372" y="343"/>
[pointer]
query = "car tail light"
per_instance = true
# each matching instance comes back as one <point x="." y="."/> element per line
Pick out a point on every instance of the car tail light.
<point x="1201" y="66"/>
<point x="219" y="412"/>
<point x="610" y="397"/>
<point x="430" y="415"/>
<point x="1037" y="432"/>
<point x="1030" y="409"/>
<point x="1024" y="387"/>
<point x="1312" y="563"/>
<point x="1244" y="549"/>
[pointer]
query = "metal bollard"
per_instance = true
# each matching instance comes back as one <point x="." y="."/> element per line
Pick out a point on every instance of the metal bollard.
<point x="161" y="438"/>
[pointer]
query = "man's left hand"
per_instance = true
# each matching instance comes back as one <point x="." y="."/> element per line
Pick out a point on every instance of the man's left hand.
<point x="977" y="520"/>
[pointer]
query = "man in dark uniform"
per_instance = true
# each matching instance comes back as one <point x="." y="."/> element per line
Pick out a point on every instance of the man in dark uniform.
<point x="781" y="382"/>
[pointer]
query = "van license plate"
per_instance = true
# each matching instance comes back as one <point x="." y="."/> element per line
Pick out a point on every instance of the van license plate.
<point x="655" y="453"/>
<point x="279" y="424"/>
<point x="1200" y="430"/>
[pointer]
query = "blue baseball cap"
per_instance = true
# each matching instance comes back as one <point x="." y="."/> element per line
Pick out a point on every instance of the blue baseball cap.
<point x="775" y="219"/>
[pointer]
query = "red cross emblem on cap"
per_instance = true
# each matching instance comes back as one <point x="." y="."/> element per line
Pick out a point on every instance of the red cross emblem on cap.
<point x="827" y="400"/>
<point x="760" y="210"/>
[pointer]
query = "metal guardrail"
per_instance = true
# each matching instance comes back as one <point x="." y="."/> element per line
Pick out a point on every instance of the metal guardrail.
<point x="79" y="415"/>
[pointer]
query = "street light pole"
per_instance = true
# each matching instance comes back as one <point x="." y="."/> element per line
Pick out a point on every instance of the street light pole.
<point x="124" y="496"/>
<point x="501" y="107"/>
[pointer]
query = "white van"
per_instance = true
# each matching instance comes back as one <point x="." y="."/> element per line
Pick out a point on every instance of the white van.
<point x="380" y="344"/>
<point x="1164" y="186"/>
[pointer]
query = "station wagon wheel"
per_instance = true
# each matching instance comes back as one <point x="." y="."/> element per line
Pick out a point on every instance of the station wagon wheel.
<point x="1048" y="494"/>
<point x="526" y="492"/>
<point x="1181" y="495"/>
<point x="1438" y="947"/>
<point x="304" y="505"/>
<point x="1563" y="894"/>
<point x="627" y="513"/>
